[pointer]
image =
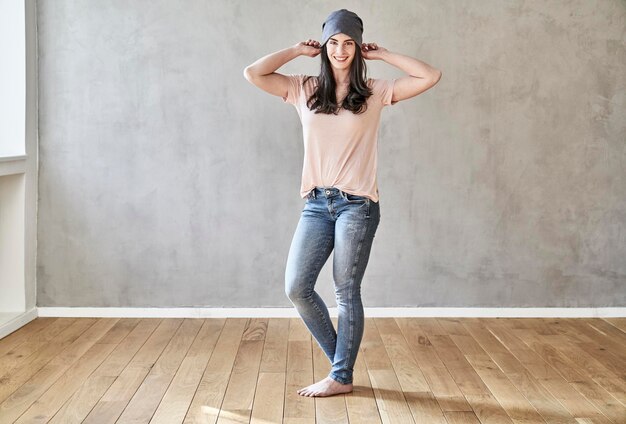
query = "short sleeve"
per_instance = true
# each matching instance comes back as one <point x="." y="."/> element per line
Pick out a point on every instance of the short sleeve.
<point x="383" y="89"/>
<point x="294" y="88"/>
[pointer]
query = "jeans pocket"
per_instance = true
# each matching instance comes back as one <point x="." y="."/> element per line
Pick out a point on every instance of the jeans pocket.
<point x="353" y="198"/>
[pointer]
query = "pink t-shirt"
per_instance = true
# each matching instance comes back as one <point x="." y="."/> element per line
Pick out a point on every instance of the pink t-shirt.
<point x="340" y="150"/>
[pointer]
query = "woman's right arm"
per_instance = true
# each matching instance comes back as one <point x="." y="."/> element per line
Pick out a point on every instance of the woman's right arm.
<point x="262" y="72"/>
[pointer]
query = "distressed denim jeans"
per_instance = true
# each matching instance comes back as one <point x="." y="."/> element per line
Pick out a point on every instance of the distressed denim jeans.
<point x="332" y="219"/>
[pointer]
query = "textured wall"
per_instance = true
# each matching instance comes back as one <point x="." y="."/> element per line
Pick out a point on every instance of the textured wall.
<point x="166" y="179"/>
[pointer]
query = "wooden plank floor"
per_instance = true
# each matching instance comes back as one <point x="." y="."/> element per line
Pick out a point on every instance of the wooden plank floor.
<point x="240" y="370"/>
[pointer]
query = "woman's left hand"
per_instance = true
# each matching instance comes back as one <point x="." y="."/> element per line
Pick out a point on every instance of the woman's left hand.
<point x="372" y="51"/>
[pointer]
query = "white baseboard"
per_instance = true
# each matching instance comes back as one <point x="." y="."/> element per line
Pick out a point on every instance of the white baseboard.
<point x="369" y="312"/>
<point x="11" y="323"/>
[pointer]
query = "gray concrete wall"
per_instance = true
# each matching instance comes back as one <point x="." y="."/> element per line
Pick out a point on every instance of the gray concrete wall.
<point x="166" y="179"/>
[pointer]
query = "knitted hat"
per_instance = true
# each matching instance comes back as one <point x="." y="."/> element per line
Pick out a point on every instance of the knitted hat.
<point x="345" y="22"/>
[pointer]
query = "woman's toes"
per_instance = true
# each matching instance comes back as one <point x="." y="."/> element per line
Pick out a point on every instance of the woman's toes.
<point x="304" y="392"/>
<point x="303" y="389"/>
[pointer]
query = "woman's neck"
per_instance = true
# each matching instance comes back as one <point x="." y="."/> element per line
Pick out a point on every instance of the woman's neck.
<point x="342" y="78"/>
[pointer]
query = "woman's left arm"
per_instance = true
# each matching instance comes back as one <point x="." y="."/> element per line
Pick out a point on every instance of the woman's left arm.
<point x="421" y="76"/>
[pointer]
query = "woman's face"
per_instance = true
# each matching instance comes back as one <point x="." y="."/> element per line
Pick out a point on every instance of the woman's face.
<point x="341" y="50"/>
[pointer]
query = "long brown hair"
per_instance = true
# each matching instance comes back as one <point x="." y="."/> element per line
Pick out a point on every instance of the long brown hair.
<point x="324" y="99"/>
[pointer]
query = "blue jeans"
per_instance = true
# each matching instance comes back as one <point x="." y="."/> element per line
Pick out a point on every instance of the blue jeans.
<point x="332" y="218"/>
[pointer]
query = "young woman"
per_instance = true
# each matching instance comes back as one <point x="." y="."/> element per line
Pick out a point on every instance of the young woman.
<point x="340" y="114"/>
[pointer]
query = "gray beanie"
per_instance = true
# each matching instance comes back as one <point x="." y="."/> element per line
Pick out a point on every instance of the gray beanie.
<point x="345" y="22"/>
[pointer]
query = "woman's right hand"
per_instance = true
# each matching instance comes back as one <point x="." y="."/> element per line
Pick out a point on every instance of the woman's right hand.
<point x="309" y="48"/>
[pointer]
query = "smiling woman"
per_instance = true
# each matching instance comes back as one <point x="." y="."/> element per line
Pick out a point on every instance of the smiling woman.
<point x="342" y="80"/>
<point x="342" y="49"/>
<point x="340" y="112"/>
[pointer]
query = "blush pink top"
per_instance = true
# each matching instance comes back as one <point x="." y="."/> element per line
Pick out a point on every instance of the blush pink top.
<point x="340" y="150"/>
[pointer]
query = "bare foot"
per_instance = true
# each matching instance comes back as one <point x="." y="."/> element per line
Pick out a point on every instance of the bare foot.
<point x="325" y="387"/>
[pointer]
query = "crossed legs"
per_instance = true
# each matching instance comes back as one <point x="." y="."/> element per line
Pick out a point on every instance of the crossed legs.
<point x="350" y="234"/>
